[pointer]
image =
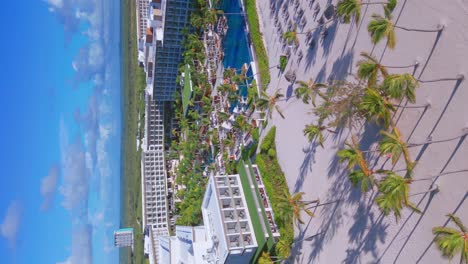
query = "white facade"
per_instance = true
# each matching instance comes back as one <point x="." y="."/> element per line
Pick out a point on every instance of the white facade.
<point x="227" y="235"/>
<point x="123" y="237"/>
<point x="154" y="185"/>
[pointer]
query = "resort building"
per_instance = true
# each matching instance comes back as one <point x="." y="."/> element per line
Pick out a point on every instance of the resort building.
<point x="154" y="186"/>
<point x="237" y="223"/>
<point x="123" y="237"/>
<point x="169" y="48"/>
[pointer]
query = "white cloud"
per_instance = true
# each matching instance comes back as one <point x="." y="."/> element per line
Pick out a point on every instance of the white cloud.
<point x="11" y="222"/>
<point x="55" y="3"/>
<point x="48" y="186"/>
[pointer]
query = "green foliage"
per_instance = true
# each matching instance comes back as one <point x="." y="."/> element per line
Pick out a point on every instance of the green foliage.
<point x="283" y="62"/>
<point x="451" y="241"/>
<point x="394" y="195"/>
<point x="275" y="184"/>
<point x="349" y="8"/>
<point x="268" y="141"/>
<point x="257" y="39"/>
<point x="272" y="153"/>
<point x="399" y="86"/>
<point x="381" y="27"/>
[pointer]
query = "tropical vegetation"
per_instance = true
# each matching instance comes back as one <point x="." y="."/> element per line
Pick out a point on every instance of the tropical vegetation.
<point x="452" y="241"/>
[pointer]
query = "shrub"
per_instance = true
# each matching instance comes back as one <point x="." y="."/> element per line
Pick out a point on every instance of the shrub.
<point x="272" y="153"/>
<point x="283" y="62"/>
<point x="268" y="140"/>
<point x="257" y="40"/>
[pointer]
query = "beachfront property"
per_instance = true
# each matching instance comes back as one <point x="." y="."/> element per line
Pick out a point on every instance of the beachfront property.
<point x="169" y="49"/>
<point x="154" y="185"/>
<point x="238" y="223"/>
<point x="123" y="237"/>
<point x="159" y="34"/>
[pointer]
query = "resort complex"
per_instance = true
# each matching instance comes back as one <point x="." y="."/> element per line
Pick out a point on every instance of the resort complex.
<point x="303" y="131"/>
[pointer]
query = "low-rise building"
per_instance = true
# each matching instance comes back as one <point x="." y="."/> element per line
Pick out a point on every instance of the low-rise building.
<point x="238" y="223"/>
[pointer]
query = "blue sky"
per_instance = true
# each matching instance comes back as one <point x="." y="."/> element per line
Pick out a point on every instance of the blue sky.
<point x="60" y="138"/>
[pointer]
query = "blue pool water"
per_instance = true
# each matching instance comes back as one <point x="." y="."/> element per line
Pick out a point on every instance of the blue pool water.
<point x="236" y="46"/>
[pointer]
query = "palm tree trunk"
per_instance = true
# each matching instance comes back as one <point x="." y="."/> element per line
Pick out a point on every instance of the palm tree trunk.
<point x="439" y="28"/>
<point x="430" y="141"/>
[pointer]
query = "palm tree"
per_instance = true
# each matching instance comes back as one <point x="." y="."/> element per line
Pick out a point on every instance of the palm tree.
<point x="375" y="107"/>
<point x="283" y="249"/>
<point x="393" y="144"/>
<point x="349" y="8"/>
<point x="355" y="157"/>
<point x="241" y="123"/>
<point x="315" y="132"/>
<point x="309" y="90"/>
<point x="394" y="194"/>
<point x="452" y="241"/>
<point x="369" y="68"/>
<point x="265" y="258"/>
<point x="269" y="103"/>
<point x="290" y="37"/>
<point x="383" y="27"/>
<point x="293" y="205"/>
<point x="398" y="86"/>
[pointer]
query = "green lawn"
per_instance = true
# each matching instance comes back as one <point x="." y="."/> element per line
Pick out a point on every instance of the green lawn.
<point x="187" y="89"/>
<point x="257" y="39"/>
<point x="133" y="84"/>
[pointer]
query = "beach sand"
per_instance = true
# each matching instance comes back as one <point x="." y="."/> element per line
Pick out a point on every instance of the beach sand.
<point x="353" y="230"/>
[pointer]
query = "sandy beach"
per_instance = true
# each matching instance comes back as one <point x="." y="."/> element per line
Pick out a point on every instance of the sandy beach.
<point x="351" y="228"/>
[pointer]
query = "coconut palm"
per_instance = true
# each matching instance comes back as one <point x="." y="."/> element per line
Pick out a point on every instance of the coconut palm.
<point x="293" y="205"/>
<point x="283" y="249"/>
<point x="394" y="194"/>
<point x="315" y="132"/>
<point x="376" y="108"/>
<point x="352" y="8"/>
<point x="398" y="86"/>
<point x="382" y="27"/>
<point x="291" y="36"/>
<point x="269" y="103"/>
<point x="452" y="241"/>
<point x="241" y="123"/>
<point x="393" y="144"/>
<point x="355" y="157"/>
<point x="369" y="68"/>
<point x="309" y="91"/>
<point x="265" y="258"/>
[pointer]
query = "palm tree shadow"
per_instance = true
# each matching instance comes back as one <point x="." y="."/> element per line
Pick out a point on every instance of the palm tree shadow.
<point x="341" y="189"/>
<point x="328" y="41"/>
<point x="312" y="51"/>
<point x="289" y="91"/>
<point x="306" y="166"/>
<point x="341" y="67"/>
<point x="377" y="232"/>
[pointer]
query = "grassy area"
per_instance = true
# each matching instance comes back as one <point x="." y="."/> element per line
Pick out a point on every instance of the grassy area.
<point x="275" y="183"/>
<point x="257" y="39"/>
<point x="187" y="90"/>
<point x="133" y="84"/>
